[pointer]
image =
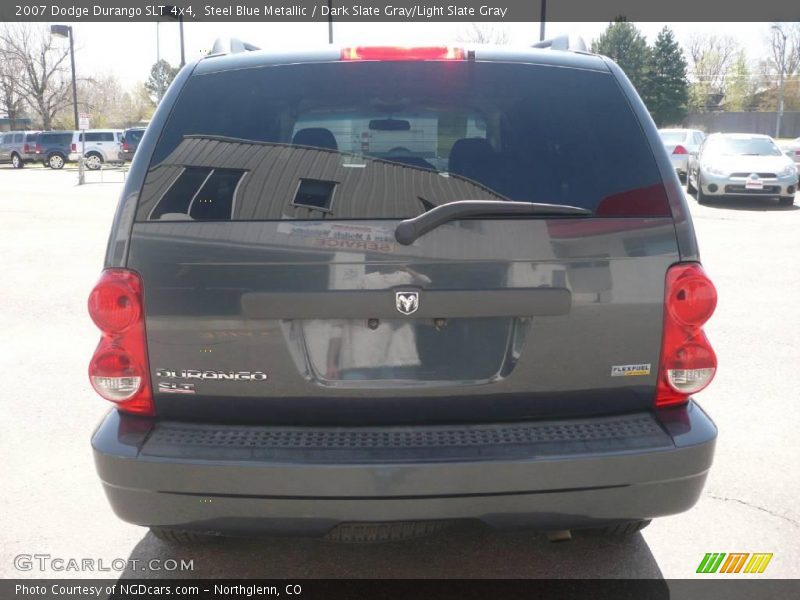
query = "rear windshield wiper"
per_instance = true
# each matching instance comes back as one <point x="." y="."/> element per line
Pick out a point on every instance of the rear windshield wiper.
<point x="409" y="230"/>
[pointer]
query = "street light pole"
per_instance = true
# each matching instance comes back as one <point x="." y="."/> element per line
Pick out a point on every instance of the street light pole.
<point x="542" y="19"/>
<point x="781" y="81"/>
<point x="183" y="52"/>
<point x="172" y="11"/>
<point x="330" y="21"/>
<point x="65" y="31"/>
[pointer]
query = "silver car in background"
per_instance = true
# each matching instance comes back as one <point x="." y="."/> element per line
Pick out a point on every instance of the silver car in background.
<point x="741" y="164"/>
<point x="792" y="150"/>
<point x="680" y="145"/>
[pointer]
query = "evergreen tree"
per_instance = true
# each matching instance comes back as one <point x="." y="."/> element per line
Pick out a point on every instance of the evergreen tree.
<point x="668" y="88"/>
<point x="626" y="46"/>
<point x="161" y="75"/>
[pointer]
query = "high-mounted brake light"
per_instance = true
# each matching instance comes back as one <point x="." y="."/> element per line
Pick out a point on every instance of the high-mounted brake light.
<point x="688" y="362"/>
<point x="403" y="53"/>
<point x="679" y="150"/>
<point x="119" y="369"/>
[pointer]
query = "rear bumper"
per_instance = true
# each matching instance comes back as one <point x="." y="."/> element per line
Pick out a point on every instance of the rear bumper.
<point x="546" y="475"/>
<point x="680" y="162"/>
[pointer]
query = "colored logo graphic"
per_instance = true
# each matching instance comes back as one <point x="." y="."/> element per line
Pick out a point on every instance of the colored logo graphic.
<point x="735" y="562"/>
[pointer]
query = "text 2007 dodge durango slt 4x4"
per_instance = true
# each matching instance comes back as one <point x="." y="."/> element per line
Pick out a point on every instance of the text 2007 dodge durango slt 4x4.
<point x="363" y="292"/>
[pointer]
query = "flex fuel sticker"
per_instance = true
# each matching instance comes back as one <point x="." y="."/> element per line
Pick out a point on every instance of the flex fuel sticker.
<point x="630" y="370"/>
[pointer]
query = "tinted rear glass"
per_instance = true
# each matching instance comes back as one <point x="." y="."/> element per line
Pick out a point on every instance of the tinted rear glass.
<point x="133" y="136"/>
<point x="672" y="137"/>
<point x="55" y="138"/>
<point x="386" y="140"/>
<point x="98" y="136"/>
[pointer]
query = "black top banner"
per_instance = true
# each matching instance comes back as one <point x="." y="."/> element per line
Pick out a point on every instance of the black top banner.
<point x="411" y="11"/>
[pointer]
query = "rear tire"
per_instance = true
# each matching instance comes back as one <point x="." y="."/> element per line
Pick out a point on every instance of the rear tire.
<point x="93" y="161"/>
<point x="16" y="161"/>
<point x="620" y="529"/>
<point x="367" y="533"/>
<point x="55" y="161"/>
<point x="786" y="200"/>
<point x="181" y="537"/>
<point x="690" y="189"/>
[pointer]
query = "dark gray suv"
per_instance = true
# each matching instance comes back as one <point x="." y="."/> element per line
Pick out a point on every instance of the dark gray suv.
<point x="366" y="292"/>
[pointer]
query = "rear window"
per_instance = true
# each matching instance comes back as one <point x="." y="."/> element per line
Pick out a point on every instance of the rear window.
<point x="55" y="138"/>
<point x="98" y="136"/>
<point x="388" y="140"/>
<point x="672" y="137"/>
<point x="742" y="147"/>
<point x="133" y="136"/>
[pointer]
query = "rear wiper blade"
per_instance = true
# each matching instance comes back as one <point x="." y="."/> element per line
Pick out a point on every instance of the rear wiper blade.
<point x="409" y="230"/>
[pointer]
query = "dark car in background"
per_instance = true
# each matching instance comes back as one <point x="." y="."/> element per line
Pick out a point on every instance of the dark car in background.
<point x="55" y="148"/>
<point x="130" y="141"/>
<point x="303" y="338"/>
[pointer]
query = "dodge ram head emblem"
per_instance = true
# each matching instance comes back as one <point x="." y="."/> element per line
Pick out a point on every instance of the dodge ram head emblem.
<point x="407" y="302"/>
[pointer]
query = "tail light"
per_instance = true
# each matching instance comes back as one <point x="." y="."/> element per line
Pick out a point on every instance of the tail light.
<point x="402" y="53"/>
<point x="688" y="362"/>
<point x="38" y="148"/>
<point x="26" y="149"/>
<point x="74" y="148"/>
<point x="119" y="369"/>
<point x="125" y="147"/>
<point x="679" y="150"/>
<point x="797" y="152"/>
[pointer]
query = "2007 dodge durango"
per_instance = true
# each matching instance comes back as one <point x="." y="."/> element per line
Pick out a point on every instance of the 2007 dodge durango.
<point x="363" y="292"/>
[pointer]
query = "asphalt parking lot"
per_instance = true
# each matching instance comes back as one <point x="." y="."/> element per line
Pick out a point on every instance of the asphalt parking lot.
<point x="52" y="240"/>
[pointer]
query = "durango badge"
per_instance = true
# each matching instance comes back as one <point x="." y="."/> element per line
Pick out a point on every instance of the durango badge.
<point x="218" y="375"/>
<point x="407" y="302"/>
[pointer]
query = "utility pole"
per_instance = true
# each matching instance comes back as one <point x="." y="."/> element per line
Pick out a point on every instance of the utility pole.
<point x="542" y="19"/>
<point x="65" y="31"/>
<point x="158" y="58"/>
<point x="781" y="80"/>
<point x="330" y="21"/>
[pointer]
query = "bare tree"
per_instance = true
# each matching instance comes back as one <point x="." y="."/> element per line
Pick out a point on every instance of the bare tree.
<point x="136" y="106"/>
<point x="711" y="58"/>
<point x="40" y="68"/>
<point x="484" y="33"/>
<point x="11" y="100"/>
<point x="790" y="48"/>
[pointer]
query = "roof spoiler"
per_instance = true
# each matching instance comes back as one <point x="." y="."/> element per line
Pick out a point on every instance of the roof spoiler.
<point x="226" y="45"/>
<point x="573" y="43"/>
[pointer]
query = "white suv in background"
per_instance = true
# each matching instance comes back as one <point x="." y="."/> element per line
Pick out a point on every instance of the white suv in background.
<point x="102" y="146"/>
